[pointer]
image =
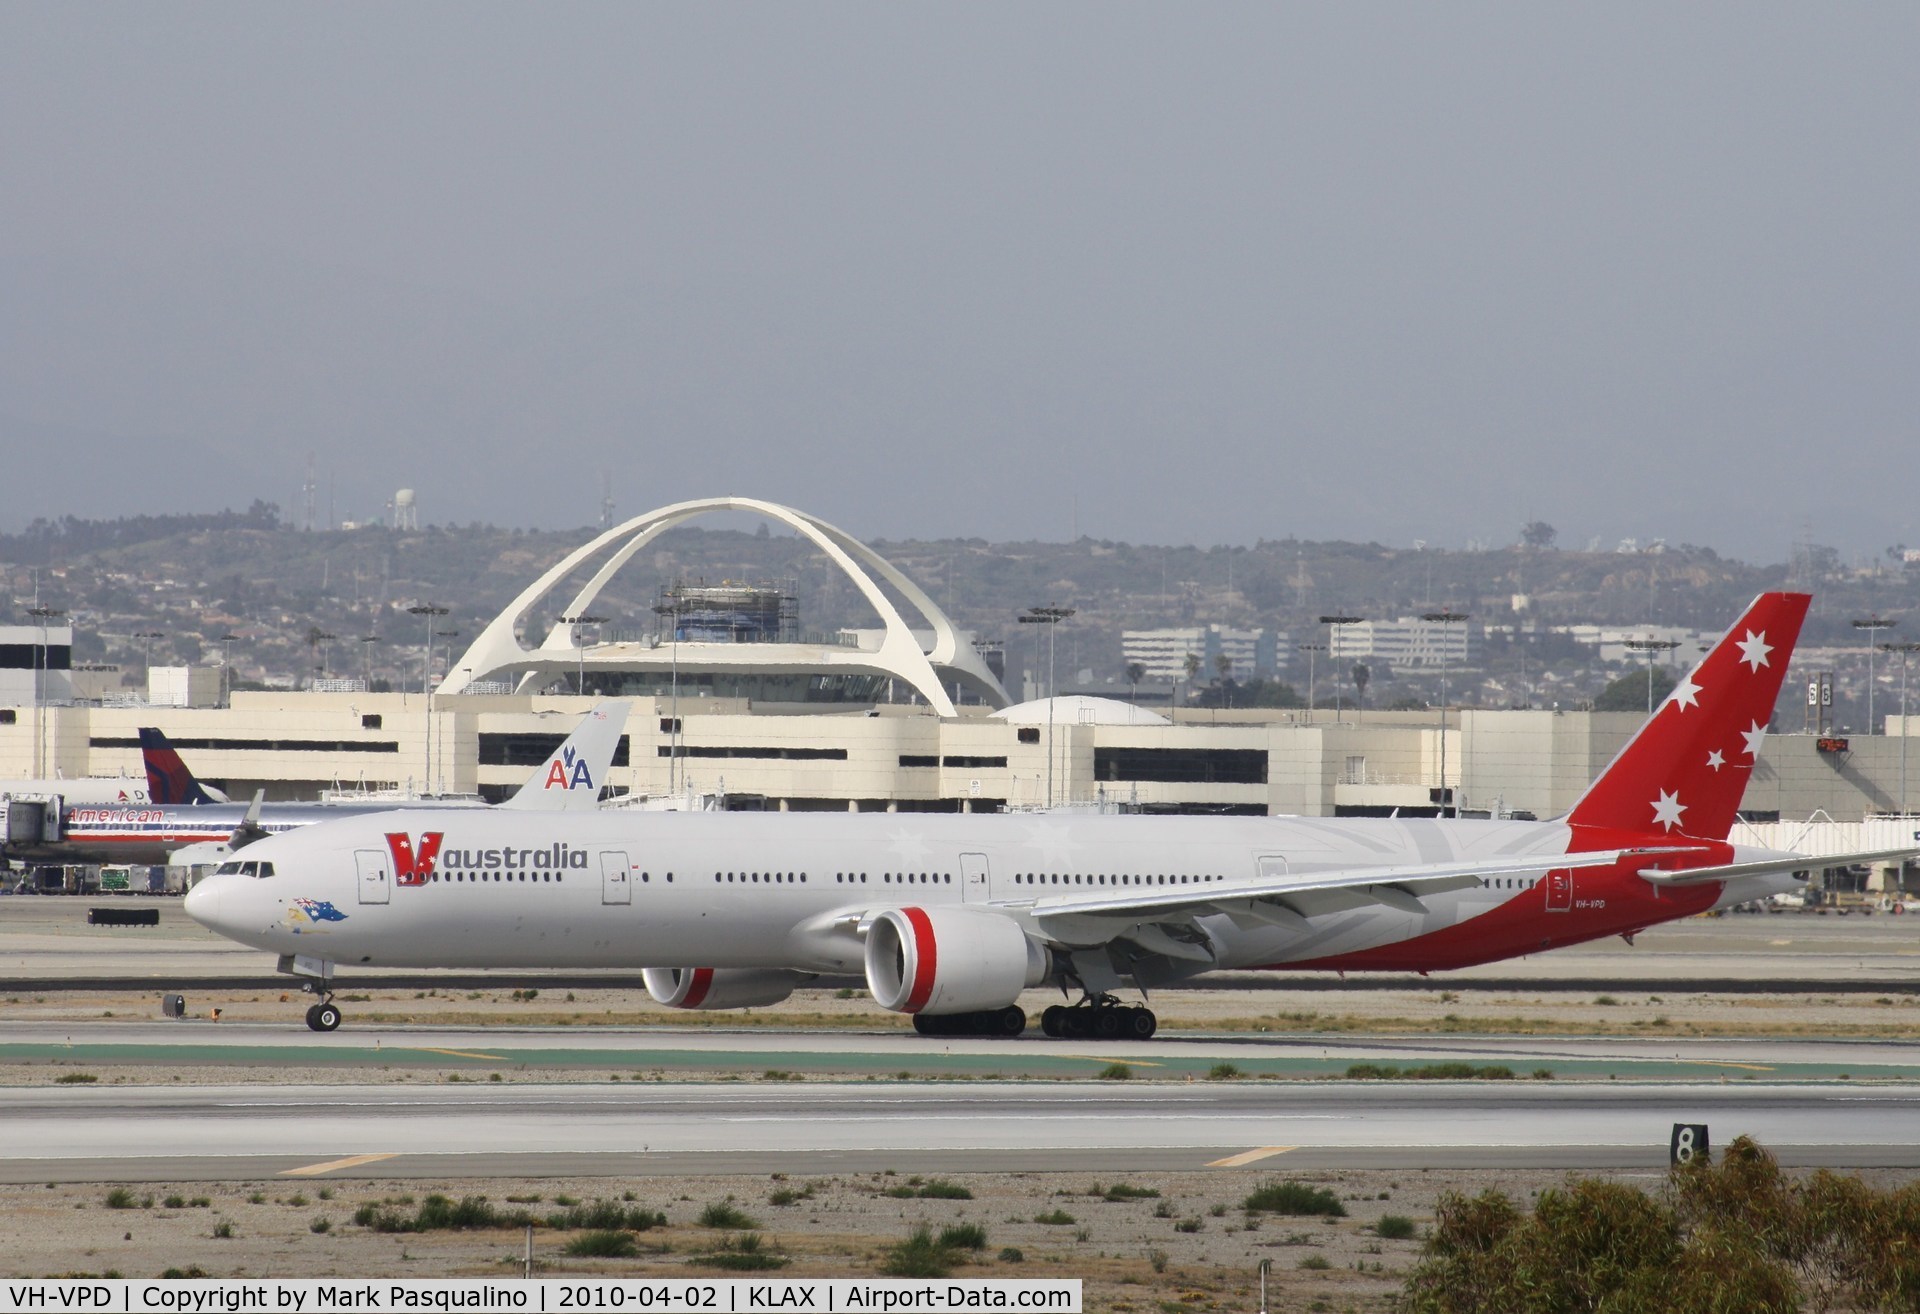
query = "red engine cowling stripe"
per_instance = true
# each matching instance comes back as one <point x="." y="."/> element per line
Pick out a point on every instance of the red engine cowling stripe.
<point x="926" y="959"/>
<point x="698" y="984"/>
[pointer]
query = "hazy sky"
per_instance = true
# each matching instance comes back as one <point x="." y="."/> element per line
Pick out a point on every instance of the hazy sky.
<point x="1174" y="273"/>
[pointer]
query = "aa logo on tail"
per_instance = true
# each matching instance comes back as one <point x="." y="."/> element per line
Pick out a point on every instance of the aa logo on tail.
<point x="569" y="771"/>
<point x="413" y="865"/>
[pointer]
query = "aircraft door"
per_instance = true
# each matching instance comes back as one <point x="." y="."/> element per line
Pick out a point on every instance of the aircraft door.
<point x="375" y="877"/>
<point x="616" y="879"/>
<point x="973" y="878"/>
<point x="1559" y="891"/>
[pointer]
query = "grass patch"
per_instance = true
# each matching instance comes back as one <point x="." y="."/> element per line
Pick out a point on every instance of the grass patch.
<point x="933" y="1190"/>
<point x="963" y="1236"/>
<point x="1317" y="1263"/>
<point x="439" y="1213"/>
<point x="75" y="1079"/>
<point x="1121" y="1191"/>
<point x="720" y="1214"/>
<point x="1295" y="1198"/>
<point x="606" y="1216"/>
<point x="786" y="1195"/>
<point x="602" y="1245"/>
<point x="1222" y="1072"/>
<point x="121" y="1198"/>
<point x="744" y="1254"/>
<point x="1058" y="1218"/>
<point x="1429" y="1072"/>
<point x="1394" y="1227"/>
<point x="919" y="1256"/>
<point x="1116" y="1072"/>
<point x="320" y="1226"/>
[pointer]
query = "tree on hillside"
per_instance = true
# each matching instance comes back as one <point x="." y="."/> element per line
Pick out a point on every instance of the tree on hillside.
<point x="1629" y="692"/>
<point x="1538" y="534"/>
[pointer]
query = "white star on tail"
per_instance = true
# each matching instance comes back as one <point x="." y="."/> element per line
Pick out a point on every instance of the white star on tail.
<point x="1754" y="737"/>
<point x="1754" y="649"/>
<point x="1716" y="759"/>
<point x="1685" y="694"/>
<point x="1667" y="809"/>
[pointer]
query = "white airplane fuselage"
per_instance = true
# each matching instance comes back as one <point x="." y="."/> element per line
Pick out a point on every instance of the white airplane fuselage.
<point x="767" y="890"/>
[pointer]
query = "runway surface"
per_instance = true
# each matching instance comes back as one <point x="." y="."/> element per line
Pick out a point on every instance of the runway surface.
<point x="228" y="1133"/>
<point x="673" y="1050"/>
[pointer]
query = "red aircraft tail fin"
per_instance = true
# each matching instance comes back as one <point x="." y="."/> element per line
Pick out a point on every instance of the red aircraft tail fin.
<point x="1686" y="769"/>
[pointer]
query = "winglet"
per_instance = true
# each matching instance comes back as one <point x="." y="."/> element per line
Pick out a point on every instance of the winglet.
<point x="168" y="779"/>
<point x="571" y="780"/>
<point x="1685" y="771"/>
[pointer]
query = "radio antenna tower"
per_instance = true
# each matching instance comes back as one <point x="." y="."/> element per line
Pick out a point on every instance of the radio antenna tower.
<point x="309" y="489"/>
<point x="606" y="499"/>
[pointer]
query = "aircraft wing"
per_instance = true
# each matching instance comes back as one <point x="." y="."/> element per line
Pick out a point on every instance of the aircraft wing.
<point x="1160" y="920"/>
<point x="1771" y="866"/>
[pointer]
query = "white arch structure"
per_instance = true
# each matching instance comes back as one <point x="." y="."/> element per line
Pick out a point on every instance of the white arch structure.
<point x="499" y="654"/>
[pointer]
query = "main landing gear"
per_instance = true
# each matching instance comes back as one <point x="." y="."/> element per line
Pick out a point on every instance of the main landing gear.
<point x="1099" y="1017"/>
<point x="1002" y="1022"/>
<point x="324" y="1016"/>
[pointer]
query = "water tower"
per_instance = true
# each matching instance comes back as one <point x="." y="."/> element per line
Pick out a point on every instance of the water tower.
<point x="405" y="514"/>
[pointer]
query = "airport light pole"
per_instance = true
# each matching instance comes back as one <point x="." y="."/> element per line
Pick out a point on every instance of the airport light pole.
<point x="1446" y="616"/>
<point x="226" y="668"/>
<point x="437" y="760"/>
<point x="584" y="618"/>
<point x="1310" y="649"/>
<point x="1905" y="649"/>
<point x="146" y="656"/>
<point x="671" y="611"/>
<point x="44" y="615"/>
<point x="428" y="613"/>
<point x="1333" y="624"/>
<point x="323" y="641"/>
<point x="1650" y="646"/>
<point x="1871" y="625"/>
<point x="1051" y="618"/>
<point x="366" y="659"/>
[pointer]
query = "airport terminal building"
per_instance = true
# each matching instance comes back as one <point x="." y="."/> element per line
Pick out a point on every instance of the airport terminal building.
<point x="730" y="700"/>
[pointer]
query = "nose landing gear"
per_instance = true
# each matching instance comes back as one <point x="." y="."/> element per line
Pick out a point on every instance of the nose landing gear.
<point x="1099" y="1017"/>
<point x="324" y="1016"/>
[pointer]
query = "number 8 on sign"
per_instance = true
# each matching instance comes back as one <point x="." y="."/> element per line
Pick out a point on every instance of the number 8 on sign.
<point x="1689" y="1142"/>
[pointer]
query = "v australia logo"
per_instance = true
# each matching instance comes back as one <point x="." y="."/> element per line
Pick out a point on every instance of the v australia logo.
<point x="568" y="771"/>
<point x="412" y="864"/>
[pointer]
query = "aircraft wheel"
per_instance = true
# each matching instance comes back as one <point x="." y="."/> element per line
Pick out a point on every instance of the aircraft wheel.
<point x="1141" y="1024"/>
<point x="325" y="1017"/>
<point x="1106" y="1023"/>
<point x="313" y="1022"/>
<point x="1050" y="1021"/>
<point x="1009" y="1021"/>
<point x="926" y="1025"/>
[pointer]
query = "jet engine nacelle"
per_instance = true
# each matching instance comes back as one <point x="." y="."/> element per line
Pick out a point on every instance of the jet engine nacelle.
<point x="718" y="987"/>
<point x="949" y="960"/>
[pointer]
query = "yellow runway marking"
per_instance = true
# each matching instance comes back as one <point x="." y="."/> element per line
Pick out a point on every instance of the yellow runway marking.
<point x="1114" y="1058"/>
<point x="1251" y="1156"/>
<point x="1718" y="1063"/>
<point x="335" y="1165"/>
<point x="460" y="1053"/>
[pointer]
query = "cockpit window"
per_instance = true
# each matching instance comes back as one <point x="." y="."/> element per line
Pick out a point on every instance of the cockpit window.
<point x="227" y="869"/>
<point x="249" y="869"/>
<point x="266" y="870"/>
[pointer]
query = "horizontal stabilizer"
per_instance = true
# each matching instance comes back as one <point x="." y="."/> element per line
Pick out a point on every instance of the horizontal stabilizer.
<point x="1773" y="866"/>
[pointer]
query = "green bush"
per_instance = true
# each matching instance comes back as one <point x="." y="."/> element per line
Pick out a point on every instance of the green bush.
<point x="602" y="1245"/>
<point x="1222" y="1072"/>
<point x="1394" y="1227"/>
<point x="919" y="1256"/>
<point x="1296" y="1198"/>
<point x="744" y="1254"/>
<point x="606" y="1216"/>
<point x="963" y="1236"/>
<point x="942" y="1190"/>
<point x="121" y="1198"/>
<point x="1012" y="1255"/>
<point x="1120" y="1191"/>
<point x="1739" y="1235"/>
<point x="1116" y="1072"/>
<point x="1429" y="1072"/>
<point x="723" y="1215"/>
<point x="1058" y="1218"/>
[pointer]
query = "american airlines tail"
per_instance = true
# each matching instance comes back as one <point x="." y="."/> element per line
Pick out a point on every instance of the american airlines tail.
<point x="168" y="779"/>
<point x="1683" y="774"/>
<point x="571" y="780"/>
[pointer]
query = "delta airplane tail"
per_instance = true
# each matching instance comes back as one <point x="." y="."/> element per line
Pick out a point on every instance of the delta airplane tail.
<point x="571" y="780"/>
<point x="1683" y="774"/>
<point x="168" y="779"/>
